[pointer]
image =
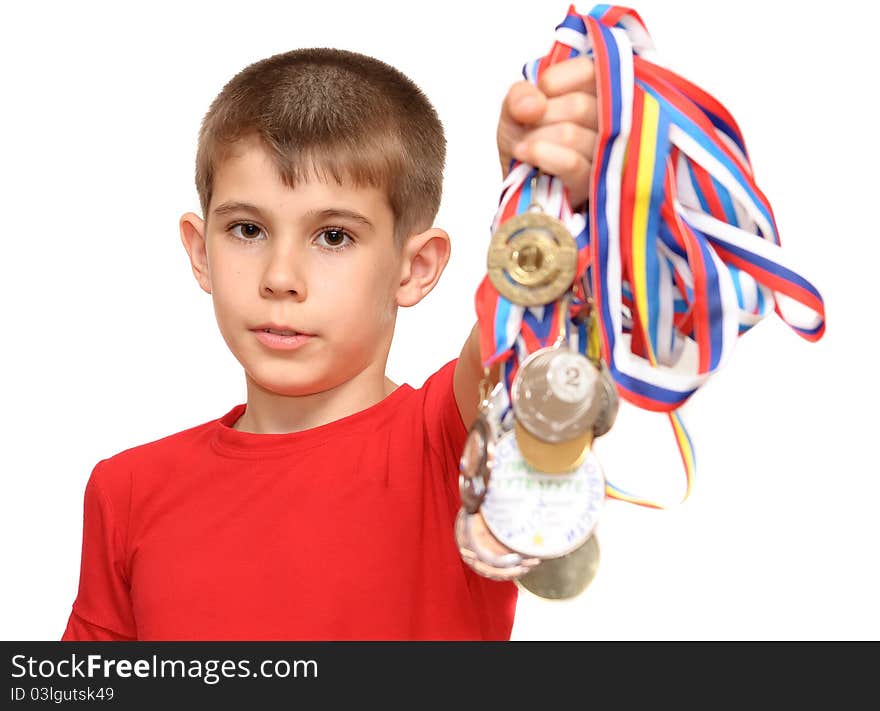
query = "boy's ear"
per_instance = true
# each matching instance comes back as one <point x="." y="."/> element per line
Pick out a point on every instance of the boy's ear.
<point x="192" y="234"/>
<point x="424" y="257"/>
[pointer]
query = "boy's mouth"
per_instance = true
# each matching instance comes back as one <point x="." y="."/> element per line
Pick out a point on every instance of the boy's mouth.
<point x="278" y="337"/>
<point x="280" y="330"/>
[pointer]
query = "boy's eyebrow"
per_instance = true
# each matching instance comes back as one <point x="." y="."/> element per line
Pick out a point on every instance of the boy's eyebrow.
<point x="237" y="206"/>
<point x="329" y="212"/>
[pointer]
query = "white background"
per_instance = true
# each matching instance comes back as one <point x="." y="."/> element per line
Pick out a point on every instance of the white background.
<point x="108" y="342"/>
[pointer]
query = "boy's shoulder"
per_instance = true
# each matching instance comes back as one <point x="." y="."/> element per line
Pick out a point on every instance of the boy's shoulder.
<point x="163" y="454"/>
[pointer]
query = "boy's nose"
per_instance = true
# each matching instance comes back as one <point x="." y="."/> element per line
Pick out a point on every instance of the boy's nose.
<point x="284" y="275"/>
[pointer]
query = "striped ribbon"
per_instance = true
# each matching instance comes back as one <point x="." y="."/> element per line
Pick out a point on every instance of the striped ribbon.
<point x="679" y="246"/>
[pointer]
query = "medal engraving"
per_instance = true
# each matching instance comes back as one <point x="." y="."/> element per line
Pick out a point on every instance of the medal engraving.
<point x="538" y="514"/>
<point x="532" y="259"/>
<point x="572" y="377"/>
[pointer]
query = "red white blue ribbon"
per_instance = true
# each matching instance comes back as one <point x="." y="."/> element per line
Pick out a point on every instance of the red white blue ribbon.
<point x="679" y="248"/>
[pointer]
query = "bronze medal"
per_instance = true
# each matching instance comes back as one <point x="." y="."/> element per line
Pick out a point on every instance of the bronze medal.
<point x="475" y="463"/>
<point x="484" y="553"/>
<point x="532" y="259"/>
<point x="554" y="394"/>
<point x="566" y="577"/>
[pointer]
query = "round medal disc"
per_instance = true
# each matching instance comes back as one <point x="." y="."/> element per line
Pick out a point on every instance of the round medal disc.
<point x="484" y="553"/>
<point x="566" y="577"/>
<point x="532" y="259"/>
<point x="474" y="465"/>
<point x="538" y="514"/>
<point x="554" y="394"/>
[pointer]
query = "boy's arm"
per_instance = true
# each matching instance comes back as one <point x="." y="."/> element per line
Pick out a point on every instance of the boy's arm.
<point x="466" y="379"/>
<point x="552" y="126"/>
<point x="102" y="609"/>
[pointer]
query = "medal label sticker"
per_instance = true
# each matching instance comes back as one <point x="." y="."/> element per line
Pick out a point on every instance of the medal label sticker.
<point x="538" y="514"/>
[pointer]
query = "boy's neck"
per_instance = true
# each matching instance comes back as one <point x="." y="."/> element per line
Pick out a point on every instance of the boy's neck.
<point x="270" y="413"/>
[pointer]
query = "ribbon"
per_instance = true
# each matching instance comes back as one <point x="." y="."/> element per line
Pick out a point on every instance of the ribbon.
<point x="679" y="247"/>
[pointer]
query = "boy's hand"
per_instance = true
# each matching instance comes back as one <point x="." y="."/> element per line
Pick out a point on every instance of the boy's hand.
<point x="553" y="126"/>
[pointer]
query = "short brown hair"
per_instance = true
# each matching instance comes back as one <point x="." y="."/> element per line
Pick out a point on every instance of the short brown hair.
<point x="322" y="110"/>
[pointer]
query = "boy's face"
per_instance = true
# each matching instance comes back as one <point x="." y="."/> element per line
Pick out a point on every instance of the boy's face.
<point x="319" y="259"/>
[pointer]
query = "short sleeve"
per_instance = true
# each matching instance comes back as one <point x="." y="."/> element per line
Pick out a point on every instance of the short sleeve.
<point x="495" y="599"/>
<point x="102" y="609"/>
<point x="80" y="630"/>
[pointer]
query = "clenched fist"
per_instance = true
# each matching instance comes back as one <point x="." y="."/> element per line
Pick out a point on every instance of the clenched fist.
<point x="553" y="126"/>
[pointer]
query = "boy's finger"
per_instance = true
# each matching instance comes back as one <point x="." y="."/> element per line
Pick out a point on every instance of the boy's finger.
<point x="524" y="103"/>
<point x="564" y="135"/>
<point x="565" y="163"/>
<point x="578" y="107"/>
<point x="575" y="74"/>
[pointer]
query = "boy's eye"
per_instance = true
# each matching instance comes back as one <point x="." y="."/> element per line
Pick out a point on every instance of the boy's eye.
<point x="248" y="230"/>
<point x="333" y="237"/>
<point x="330" y="238"/>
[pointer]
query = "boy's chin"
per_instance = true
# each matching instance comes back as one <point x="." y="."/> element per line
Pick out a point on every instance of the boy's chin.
<point x="285" y="381"/>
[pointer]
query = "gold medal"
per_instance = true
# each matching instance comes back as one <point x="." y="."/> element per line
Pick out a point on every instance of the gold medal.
<point x="552" y="457"/>
<point x="566" y="577"/>
<point x="532" y="258"/>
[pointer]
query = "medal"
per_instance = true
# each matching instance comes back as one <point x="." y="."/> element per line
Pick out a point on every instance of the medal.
<point x="532" y="258"/>
<point x="555" y="404"/>
<point x="484" y="553"/>
<point x="566" y="577"/>
<point x="607" y="399"/>
<point x="609" y="403"/>
<point x="539" y="514"/>
<point x="553" y="394"/>
<point x="474" y="464"/>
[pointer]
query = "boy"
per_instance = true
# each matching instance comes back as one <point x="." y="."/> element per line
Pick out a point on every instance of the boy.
<point x="323" y="508"/>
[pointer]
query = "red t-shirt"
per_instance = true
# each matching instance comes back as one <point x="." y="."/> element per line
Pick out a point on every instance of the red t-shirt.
<point x="339" y="532"/>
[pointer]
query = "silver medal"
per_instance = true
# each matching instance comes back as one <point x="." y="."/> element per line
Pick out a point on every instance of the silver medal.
<point x="554" y="394"/>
